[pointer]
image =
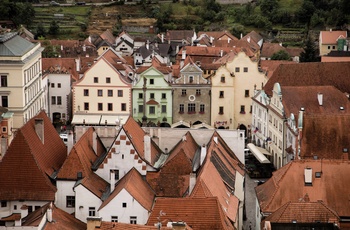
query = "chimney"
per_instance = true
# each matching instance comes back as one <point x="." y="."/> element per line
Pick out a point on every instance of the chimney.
<point x="61" y="47"/>
<point x="248" y="39"/>
<point x="184" y="138"/>
<point x="221" y="53"/>
<point x="84" y="48"/>
<point x="241" y="35"/>
<point x="300" y="118"/>
<point x="183" y="54"/>
<point x="178" y="226"/>
<point x="162" y="38"/>
<point x="70" y="142"/>
<point x="24" y="211"/>
<point x="112" y="174"/>
<point x="203" y="153"/>
<point x="77" y="64"/>
<point x="308" y="176"/>
<point x="3" y="146"/>
<point x="49" y="213"/>
<point x="211" y="40"/>
<point x="228" y="40"/>
<point x="320" y="99"/>
<point x="94" y="142"/>
<point x="147" y="44"/>
<point x="147" y="148"/>
<point x="39" y="128"/>
<point x="192" y="182"/>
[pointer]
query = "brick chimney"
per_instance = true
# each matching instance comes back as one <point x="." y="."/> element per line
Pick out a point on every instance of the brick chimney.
<point x="147" y="148"/>
<point x="39" y="128"/>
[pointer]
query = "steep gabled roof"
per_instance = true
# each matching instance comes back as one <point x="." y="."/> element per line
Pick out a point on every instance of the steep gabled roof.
<point x="107" y="35"/>
<point x="199" y="213"/>
<point x="29" y="155"/>
<point x="269" y="66"/>
<point x="268" y="49"/>
<point x="331" y="188"/>
<point x="331" y="37"/>
<point x="60" y="65"/>
<point x="96" y="185"/>
<point x="139" y="189"/>
<point x="12" y="44"/>
<point x="82" y="156"/>
<point x="61" y="219"/>
<point x="311" y="74"/>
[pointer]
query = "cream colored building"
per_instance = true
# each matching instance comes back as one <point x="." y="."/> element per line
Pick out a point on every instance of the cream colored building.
<point x="233" y="87"/>
<point x="21" y="90"/>
<point x="332" y="41"/>
<point x="102" y="97"/>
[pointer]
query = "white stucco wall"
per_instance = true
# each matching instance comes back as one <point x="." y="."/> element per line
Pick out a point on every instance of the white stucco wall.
<point x="83" y="200"/>
<point x="64" y="189"/>
<point x="133" y="208"/>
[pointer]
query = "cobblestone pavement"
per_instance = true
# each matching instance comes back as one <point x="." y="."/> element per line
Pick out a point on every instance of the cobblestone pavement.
<point x="250" y="199"/>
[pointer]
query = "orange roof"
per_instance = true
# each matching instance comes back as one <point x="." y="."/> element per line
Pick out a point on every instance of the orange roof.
<point x="122" y="226"/>
<point x="81" y="157"/>
<point x="62" y="219"/>
<point x="335" y="59"/>
<point x="311" y="73"/>
<point x="60" y="65"/>
<point x="269" y="66"/>
<point x="331" y="188"/>
<point x="28" y="155"/>
<point x="108" y="36"/>
<point x="136" y="187"/>
<point x="331" y="37"/>
<point x="268" y="49"/>
<point x="95" y="184"/>
<point x="218" y="34"/>
<point x="199" y="213"/>
<point x="136" y="136"/>
<point x="304" y="212"/>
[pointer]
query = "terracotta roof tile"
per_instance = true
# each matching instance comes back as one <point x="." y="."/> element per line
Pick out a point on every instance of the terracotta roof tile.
<point x="331" y="188"/>
<point x="122" y="226"/>
<point x="28" y="155"/>
<point x="304" y="212"/>
<point x="95" y="184"/>
<point x="311" y="74"/>
<point x="198" y="213"/>
<point x="107" y="35"/>
<point x="60" y="65"/>
<point x="331" y="37"/>
<point x="269" y="66"/>
<point x="81" y="157"/>
<point x="268" y="49"/>
<point x="136" y="187"/>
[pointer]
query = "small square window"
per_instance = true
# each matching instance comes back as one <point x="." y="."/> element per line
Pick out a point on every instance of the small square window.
<point x="163" y="108"/>
<point x="152" y="110"/>
<point x="4" y="129"/>
<point x="95" y="79"/>
<point x="52" y="85"/>
<point x="110" y="93"/>
<point x="123" y="107"/>
<point x="3" y="204"/>
<point x="245" y="69"/>
<point x="140" y="108"/>
<point x="140" y="95"/>
<point x="14" y="207"/>
<point x="120" y="93"/>
<point x="108" y="80"/>
<point x="151" y="95"/>
<point x="163" y="95"/>
<point x="133" y="220"/>
<point x="124" y="205"/>
<point x="86" y="92"/>
<point x="114" y="218"/>
<point x="86" y="105"/>
<point x="100" y="106"/>
<point x="92" y="211"/>
<point x="246" y="93"/>
<point x="151" y="81"/>
<point x="237" y="69"/>
<point x="58" y="85"/>
<point x="110" y="106"/>
<point x="70" y="201"/>
<point x="183" y="92"/>
<point x="223" y="79"/>
<point x="198" y="92"/>
<point x="99" y="92"/>
<point x="221" y="94"/>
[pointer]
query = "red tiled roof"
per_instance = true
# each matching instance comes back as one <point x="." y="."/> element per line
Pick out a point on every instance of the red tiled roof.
<point x="28" y="155"/>
<point x="331" y="188"/>
<point x="60" y="65"/>
<point x="311" y="74"/>
<point x="61" y="219"/>
<point x="268" y="49"/>
<point x="122" y="226"/>
<point x="107" y="35"/>
<point x="198" y="213"/>
<point x="217" y="34"/>
<point x="136" y="187"/>
<point x="331" y="37"/>
<point x="12" y="217"/>
<point x="304" y="212"/>
<point x="95" y="184"/>
<point x="81" y="157"/>
<point x="269" y="66"/>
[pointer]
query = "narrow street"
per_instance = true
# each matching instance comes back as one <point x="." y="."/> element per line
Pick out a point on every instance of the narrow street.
<point x="250" y="203"/>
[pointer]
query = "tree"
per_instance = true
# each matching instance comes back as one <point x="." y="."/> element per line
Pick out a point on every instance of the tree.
<point x="306" y="11"/>
<point x="269" y="8"/>
<point x="280" y="55"/>
<point x="54" y="27"/>
<point x="40" y="30"/>
<point x="309" y="54"/>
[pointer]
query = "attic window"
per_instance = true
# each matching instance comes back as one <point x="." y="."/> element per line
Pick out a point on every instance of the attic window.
<point x="318" y="174"/>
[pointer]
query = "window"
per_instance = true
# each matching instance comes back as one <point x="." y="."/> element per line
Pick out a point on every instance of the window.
<point x="151" y="95"/>
<point x="198" y="92"/>
<point x="58" y="85"/>
<point x="242" y="109"/>
<point x="133" y="220"/>
<point x="191" y="108"/>
<point x="201" y="108"/>
<point x="221" y="110"/>
<point x="3" y="204"/>
<point x="3" y="81"/>
<point x="182" y="108"/>
<point x="59" y="100"/>
<point x="86" y="92"/>
<point x="124" y="205"/>
<point x="95" y="79"/>
<point x="110" y="93"/>
<point x="140" y="108"/>
<point x="123" y="106"/>
<point x="223" y="79"/>
<point x="70" y="201"/>
<point x="99" y="92"/>
<point x="190" y="79"/>
<point x="99" y="106"/>
<point x="329" y="47"/>
<point x="36" y="207"/>
<point x="86" y="105"/>
<point x="92" y="211"/>
<point x="110" y="106"/>
<point x="114" y="218"/>
<point x="245" y="69"/>
<point x="183" y="92"/>
<point x="333" y="47"/>
<point x="237" y="69"/>
<point x="246" y="93"/>
<point x="120" y="93"/>
<point x="221" y="94"/>
<point x="140" y="95"/>
<point x="30" y="209"/>
<point x="108" y="80"/>
<point x="14" y="207"/>
<point x="4" y="101"/>
<point x="53" y="100"/>
<point x="163" y="95"/>
<point x="163" y="108"/>
<point x="151" y="81"/>
<point x="152" y="110"/>
<point x="52" y="85"/>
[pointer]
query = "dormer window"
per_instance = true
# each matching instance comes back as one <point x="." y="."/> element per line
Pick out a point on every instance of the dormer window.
<point x="223" y="79"/>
